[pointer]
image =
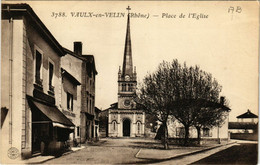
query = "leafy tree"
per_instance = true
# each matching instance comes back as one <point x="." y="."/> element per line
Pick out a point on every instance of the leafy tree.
<point x="200" y="113"/>
<point x="197" y="100"/>
<point x="156" y="94"/>
<point x="188" y="93"/>
<point x="210" y="114"/>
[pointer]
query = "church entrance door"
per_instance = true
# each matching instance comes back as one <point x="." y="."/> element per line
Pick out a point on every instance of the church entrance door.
<point x="126" y="127"/>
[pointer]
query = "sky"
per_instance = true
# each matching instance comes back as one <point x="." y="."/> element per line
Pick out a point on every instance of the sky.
<point x="220" y="42"/>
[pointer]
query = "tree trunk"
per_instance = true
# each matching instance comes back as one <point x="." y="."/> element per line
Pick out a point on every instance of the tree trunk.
<point x="166" y="144"/>
<point x="186" y="135"/>
<point x="199" y="135"/>
<point x="164" y="138"/>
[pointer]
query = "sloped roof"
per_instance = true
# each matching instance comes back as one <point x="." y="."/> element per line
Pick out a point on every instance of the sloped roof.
<point x="70" y="77"/>
<point x="113" y="106"/>
<point x="248" y="114"/>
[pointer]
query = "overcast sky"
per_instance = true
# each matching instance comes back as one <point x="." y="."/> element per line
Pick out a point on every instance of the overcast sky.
<point x="223" y="44"/>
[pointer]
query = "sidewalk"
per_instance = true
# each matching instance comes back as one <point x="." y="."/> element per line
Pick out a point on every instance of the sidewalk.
<point x="40" y="159"/>
<point x="160" y="154"/>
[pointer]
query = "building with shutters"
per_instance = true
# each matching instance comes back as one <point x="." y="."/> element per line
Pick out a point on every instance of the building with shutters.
<point x="31" y="119"/>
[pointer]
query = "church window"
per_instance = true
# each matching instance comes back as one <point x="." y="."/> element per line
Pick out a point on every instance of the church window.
<point x="138" y="127"/>
<point x="130" y="87"/>
<point x="114" y="125"/>
<point x="123" y="87"/>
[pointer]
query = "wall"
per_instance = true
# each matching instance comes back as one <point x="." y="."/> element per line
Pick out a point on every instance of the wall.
<point x="49" y="54"/>
<point x="244" y="136"/>
<point x="73" y="65"/>
<point x="73" y="115"/>
<point x="12" y="134"/>
<point x="33" y="40"/>
<point x="215" y="132"/>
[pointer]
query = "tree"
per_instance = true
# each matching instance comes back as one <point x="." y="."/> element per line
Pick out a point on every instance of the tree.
<point x="181" y="91"/>
<point x="210" y="114"/>
<point x="197" y="99"/>
<point x="156" y="94"/>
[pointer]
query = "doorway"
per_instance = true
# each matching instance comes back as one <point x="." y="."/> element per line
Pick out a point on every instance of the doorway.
<point x="126" y="127"/>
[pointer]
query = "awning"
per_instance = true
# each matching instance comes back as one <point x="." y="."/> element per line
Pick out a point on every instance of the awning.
<point x="53" y="113"/>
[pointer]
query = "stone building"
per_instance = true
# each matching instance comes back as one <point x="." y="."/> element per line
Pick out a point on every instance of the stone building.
<point x="84" y="69"/>
<point x="31" y="119"/>
<point x="124" y="117"/>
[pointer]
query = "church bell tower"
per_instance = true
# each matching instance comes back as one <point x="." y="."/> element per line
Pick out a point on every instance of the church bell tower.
<point x="127" y="76"/>
<point x="125" y="118"/>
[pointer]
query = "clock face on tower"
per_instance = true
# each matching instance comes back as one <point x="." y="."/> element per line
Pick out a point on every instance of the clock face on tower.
<point x="127" y="78"/>
<point x="126" y="103"/>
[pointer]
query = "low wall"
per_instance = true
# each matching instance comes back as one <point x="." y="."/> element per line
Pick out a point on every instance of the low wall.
<point x="202" y="141"/>
<point x="244" y="136"/>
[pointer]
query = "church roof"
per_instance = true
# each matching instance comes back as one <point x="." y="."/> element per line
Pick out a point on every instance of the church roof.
<point x="113" y="106"/>
<point x="248" y="114"/>
<point x="127" y="63"/>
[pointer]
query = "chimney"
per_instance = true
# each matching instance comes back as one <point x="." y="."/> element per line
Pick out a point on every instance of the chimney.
<point x="78" y="48"/>
<point x="222" y="99"/>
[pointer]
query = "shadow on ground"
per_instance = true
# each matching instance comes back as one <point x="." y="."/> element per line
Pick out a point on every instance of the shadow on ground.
<point x="240" y="154"/>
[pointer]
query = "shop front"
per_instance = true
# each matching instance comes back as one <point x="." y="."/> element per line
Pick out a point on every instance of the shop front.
<point x="50" y="128"/>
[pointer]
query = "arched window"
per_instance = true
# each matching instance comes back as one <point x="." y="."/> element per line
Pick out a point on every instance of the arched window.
<point x="114" y="125"/>
<point x="138" y="127"/>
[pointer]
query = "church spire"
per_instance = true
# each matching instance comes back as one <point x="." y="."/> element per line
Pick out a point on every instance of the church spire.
<point x="127" y="63"/>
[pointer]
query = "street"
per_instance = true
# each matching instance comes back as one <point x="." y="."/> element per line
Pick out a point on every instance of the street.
<point x="243" y="153"/>
<point x="107" y="151"/>
<point x="124" y="151"/>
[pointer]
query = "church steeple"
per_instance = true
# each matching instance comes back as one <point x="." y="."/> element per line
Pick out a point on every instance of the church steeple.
<point x="127" y="63"/>
<point x="127" y="77"/>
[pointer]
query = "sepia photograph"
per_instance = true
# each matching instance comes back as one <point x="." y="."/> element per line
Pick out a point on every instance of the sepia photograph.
<point x="129" y="82"/>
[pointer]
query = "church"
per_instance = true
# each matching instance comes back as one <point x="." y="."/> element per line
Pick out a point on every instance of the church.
<point x="125" y="118"/>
